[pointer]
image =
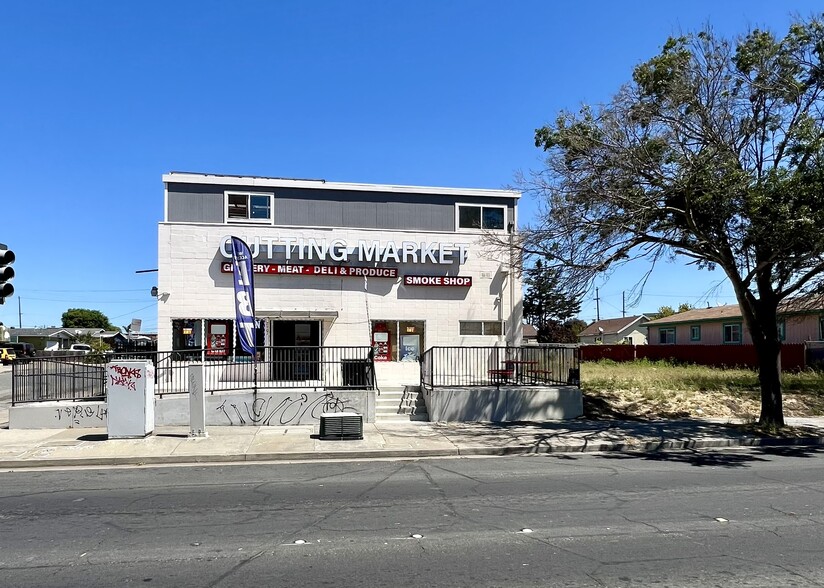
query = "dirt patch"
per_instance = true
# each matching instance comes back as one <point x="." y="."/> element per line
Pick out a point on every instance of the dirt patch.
<point x="638" y="404"/>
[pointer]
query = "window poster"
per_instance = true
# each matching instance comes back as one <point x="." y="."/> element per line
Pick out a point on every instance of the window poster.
<point x="410" y="347"/>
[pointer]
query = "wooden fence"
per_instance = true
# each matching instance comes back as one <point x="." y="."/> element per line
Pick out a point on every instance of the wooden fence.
<point x="793" y="356"/>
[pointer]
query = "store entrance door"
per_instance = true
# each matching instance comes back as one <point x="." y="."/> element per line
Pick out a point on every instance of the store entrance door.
<point x="289" y="361"/>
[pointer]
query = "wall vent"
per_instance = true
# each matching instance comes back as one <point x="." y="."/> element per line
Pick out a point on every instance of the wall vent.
<point x="340" y="426"/>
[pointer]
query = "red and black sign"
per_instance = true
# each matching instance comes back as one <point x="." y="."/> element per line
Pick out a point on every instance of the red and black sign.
<point x="460" y="281"/>
<point x="317" y="270"/>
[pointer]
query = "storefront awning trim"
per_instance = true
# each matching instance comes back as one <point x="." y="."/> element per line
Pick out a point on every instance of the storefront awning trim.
<point x="329" y="315"/>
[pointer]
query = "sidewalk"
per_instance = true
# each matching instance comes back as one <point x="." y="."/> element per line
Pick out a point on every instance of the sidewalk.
<point x="171" y="445"/>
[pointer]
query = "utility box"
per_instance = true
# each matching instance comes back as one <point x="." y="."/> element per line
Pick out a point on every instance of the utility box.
<point x="130" y="399"/>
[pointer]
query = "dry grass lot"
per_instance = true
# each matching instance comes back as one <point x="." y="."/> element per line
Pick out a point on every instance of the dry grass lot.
<point x="644" y="389"/>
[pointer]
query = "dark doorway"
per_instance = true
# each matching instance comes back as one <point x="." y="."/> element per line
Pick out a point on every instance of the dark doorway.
<point x="289" y="360"/>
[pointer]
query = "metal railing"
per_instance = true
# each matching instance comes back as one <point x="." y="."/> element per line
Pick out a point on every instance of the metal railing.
<point x="42" y="379"/>
<point x="557" y="365"/>
<point x="82" y="377"/>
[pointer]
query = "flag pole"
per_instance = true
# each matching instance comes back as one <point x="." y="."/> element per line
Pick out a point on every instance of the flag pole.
<point x="244" y="291"/>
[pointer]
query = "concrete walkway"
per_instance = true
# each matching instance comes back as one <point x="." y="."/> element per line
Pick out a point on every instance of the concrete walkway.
<point x="397" y="440"/>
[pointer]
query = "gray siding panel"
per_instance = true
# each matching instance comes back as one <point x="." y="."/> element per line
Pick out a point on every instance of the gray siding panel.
<point x="318" y="208"/>
<point x="360" y="214"/>
<point x="423" y="216"/>
<point x="195" y="207"/>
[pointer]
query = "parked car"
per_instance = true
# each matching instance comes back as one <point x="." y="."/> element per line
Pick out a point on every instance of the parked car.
<point x="23" y="350"/>
<point x="81" y="347"/>
<point x="7" y="355"/>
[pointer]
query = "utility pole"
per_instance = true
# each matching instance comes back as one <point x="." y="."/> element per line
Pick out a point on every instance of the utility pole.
<point x="623" y="305"/>
<point x="597" y="306"/>
<point x="19" y="314"/>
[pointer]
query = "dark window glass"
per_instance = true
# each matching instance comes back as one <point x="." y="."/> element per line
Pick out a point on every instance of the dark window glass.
<point x="471" y="328"/>
<point x="260" y="207"/>
<point x="493" y="328"/>
<point x="493" y="218"/>
<point x="238" y="206"/>
<point x="732" y="333"/>
<point x="469" y="217"/>
<point x="666" y="336"/>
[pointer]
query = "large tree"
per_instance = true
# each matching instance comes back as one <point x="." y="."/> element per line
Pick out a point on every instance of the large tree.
<point x="80" y="318"/>
<point x="713" y="152"/>
<point x="544" y="300"/>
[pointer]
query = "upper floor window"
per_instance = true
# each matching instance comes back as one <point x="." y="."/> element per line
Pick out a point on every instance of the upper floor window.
<point x="666" y="336"/>
<point x="732" y="333"/>
<point x="490" y="218"/>
<point x="242" y="206"/>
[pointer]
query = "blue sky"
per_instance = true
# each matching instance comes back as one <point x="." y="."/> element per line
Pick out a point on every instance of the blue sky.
<point x="99" y="99"/>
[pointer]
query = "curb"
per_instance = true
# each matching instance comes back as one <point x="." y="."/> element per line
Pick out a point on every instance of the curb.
<point x="640" y="448"/>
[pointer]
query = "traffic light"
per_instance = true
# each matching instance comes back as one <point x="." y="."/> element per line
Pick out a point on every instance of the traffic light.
<point x="6" y="272"/>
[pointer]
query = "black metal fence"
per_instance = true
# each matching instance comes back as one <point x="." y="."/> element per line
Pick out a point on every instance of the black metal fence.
<point x="65" y="377"/>
<point x="495" y="366"/>
<point x="82" y="377"/>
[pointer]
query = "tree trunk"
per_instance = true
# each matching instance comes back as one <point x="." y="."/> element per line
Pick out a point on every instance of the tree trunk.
<point x="769" y="375"/>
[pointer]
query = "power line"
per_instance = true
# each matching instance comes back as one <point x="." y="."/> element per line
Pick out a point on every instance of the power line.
<point x="132" y="311"/>
<point x="91" y="291"/>
<point x="85" y="300"/>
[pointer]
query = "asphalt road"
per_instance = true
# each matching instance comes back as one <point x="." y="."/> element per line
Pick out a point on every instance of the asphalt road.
<point x="725" y="518"/>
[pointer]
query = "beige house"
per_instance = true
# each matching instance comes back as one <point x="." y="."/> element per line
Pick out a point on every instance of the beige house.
<point x="626" y="330"/>
<point x="724" y="325"/>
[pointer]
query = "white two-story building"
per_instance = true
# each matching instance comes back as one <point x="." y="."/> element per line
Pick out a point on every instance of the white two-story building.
<point x="398" y="268"/>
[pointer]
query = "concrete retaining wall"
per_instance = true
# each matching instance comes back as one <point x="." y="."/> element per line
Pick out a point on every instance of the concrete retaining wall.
<point x="281" y="408"/>
<point x="493" y="404"/>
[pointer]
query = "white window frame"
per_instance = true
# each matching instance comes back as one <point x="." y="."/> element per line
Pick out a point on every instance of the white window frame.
<point x="732" y="341"/>
<point x="263" y="221"/>
<point x="695" y="332"/>
<point x="460" y="229"/>
<point x="662" y="330"/>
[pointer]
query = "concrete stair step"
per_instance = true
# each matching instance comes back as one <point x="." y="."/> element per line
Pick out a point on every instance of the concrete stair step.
<point x="404" y="403"/>
<point x="403" y="418"/>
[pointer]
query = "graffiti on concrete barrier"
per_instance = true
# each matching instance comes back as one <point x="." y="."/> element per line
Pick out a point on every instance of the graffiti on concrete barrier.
<point x="81" y="415"/>
<point x="264" y="411"/>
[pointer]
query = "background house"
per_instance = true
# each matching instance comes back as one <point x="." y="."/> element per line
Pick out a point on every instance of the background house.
<point x="50" y="337"/>
<point x="627" y="330"/>
<point x="530" y="335"/>
<point x="724" y="325"/>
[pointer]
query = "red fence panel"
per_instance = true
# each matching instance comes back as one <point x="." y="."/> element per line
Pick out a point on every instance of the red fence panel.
<point x="792" y="355"/>
<point x="613" y="352"/>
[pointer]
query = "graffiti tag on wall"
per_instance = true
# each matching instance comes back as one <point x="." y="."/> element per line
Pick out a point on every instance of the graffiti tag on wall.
<point x="264" y="411"/>
<point x="79" y="415"/>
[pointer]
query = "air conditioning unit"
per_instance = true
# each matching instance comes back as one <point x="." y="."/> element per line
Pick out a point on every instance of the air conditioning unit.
<point x="341" y="426"/>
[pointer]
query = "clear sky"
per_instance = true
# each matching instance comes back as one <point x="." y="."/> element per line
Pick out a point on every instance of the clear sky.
<point x="100" y="98"/>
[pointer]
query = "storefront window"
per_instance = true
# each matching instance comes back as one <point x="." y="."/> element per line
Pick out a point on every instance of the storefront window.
<point x="218" y="337"/>
<point x="187" y="334"/>
<point x="398" y="340"/>
<point x="411" y="340"/>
